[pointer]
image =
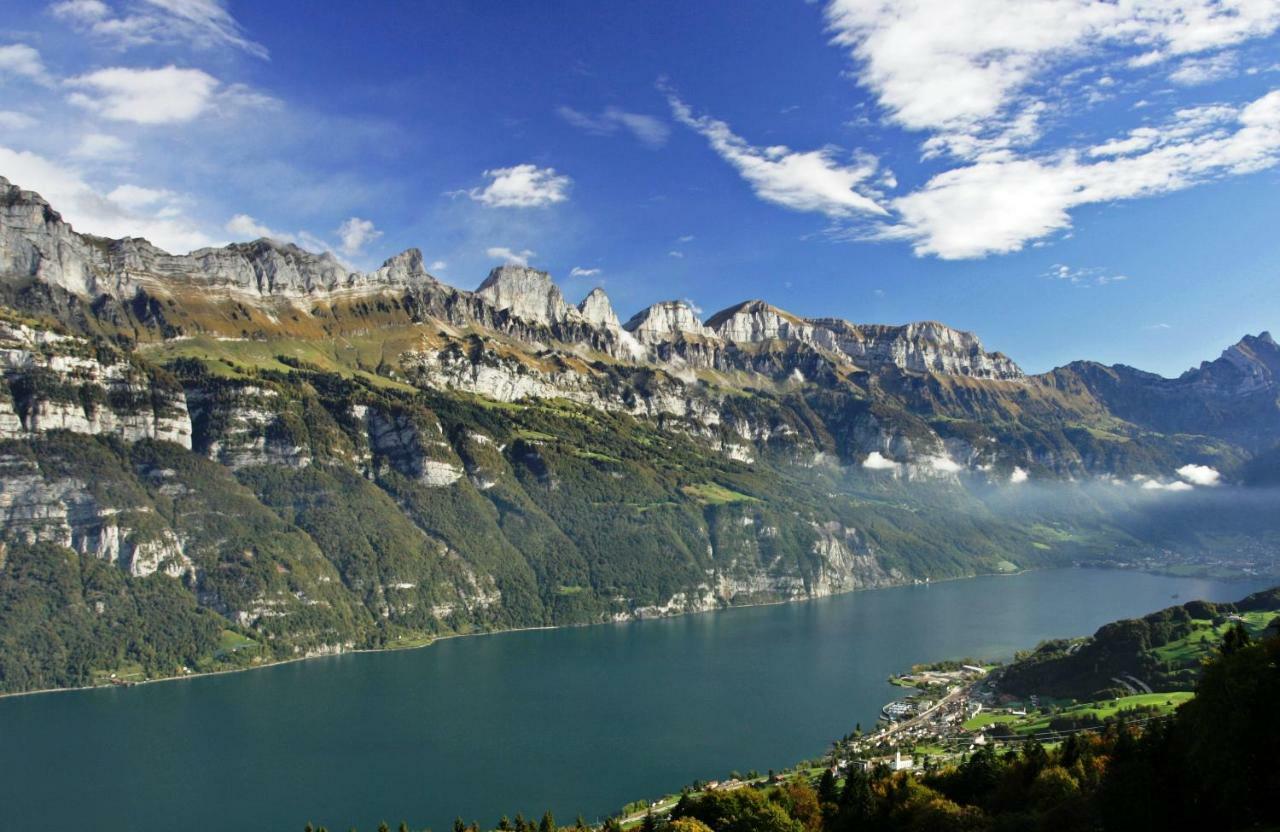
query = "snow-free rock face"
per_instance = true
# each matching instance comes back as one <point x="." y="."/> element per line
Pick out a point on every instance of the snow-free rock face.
<point x="527" y="293"/>
<point x="36" y="242"/>
<point x="61" y="382"/>
<point x="924" y="347"/>
<point x="755" y="320"/>
<point x="666" y="321"/>
<point x="597" y="309"/>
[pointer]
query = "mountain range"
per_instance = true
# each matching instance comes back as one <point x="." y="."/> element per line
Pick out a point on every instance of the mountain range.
<point x="254" y="452"/>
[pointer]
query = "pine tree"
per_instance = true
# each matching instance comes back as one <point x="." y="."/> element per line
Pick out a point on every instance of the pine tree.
<point x="548" y="823"/>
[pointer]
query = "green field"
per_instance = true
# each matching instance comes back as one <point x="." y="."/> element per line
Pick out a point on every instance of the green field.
<point x="1039" y="720"/>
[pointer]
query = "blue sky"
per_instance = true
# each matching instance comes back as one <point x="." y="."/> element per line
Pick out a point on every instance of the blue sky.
<point x="1068" y="178"/>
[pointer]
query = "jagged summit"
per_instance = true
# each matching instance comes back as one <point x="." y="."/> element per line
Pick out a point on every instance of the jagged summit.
<point x="756" y="320"/>
<point x="36" y="243"/>
<point x="666" y="321"/>
<point x="597" y="309"/>
<point x="527" y="293"/>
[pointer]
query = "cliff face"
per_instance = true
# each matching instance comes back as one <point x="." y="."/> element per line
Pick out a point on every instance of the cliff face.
<point x="322" y="458"/>
<point x="61" y="382"/>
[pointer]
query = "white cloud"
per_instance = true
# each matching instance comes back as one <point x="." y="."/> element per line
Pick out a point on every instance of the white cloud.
<point x="877" y="461"/>
<point x="23" y="61"/>
<point x="997" y="206"/>
<point x="686" y="238"/>
<point x="1019" y="476"/>
<point x="1092" y="276"/>
<point x="1195" y="71"/>
<point x="972" y="68"/>
<point x="100" y="147"/>
<point x="578" y="271"/>
<point x="245" y="227"/>
<point x="1139" y="139"/>
<point x="124" y="212"/>
<point x="145" y="96"/>
<point x="437" y="266"/>
<point x="982" y="80"/>
<point x="355" y="234"/>
<point x="941" y="464"/>
<point x="1156" y="485"/>
<point x="200" y="23"/>
<point x="81" y="11"/>
<point x="679" y="255"/>
<point x="519" y="258"/>
<point x="651" y="131"/>
<point x="137" y="198"/>
<point x="1200" y="475"/>
<point x="522" y="186"/>
<point x="800" y="180"/>
<point x="14" y="120"/>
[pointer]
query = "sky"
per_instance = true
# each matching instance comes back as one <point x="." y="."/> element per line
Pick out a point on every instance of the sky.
<point x="1067" y="178"/>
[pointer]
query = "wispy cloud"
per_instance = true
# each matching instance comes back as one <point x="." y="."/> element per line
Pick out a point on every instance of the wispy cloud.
<point x="649" y="130"/>
<point x="129" y="209"/>
<point x="579" y="271"/>
<point x="1090" y="276"/>
<point x="22" y="61"/>
<point x="999" y="205"/>
<point x="812" y="181"/>
<point x="167" y="95"/>
<point x="979" y="81"/>
<point x="1192" y="72"/>
<point x="200" y="23"/>
<point x="508" y="255"/>
<point x="972" y="69"/>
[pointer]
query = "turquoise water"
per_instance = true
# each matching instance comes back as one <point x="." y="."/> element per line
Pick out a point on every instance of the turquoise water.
<point x="577" y="720"/>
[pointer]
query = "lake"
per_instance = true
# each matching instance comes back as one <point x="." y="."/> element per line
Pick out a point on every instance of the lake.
<point x="576" y="720"/>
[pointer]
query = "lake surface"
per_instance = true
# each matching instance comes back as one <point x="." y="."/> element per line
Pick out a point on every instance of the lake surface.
<point x="573" y="720"/>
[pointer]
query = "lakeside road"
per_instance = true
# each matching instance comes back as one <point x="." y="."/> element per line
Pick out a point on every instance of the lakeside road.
<point x="923" y="715"/>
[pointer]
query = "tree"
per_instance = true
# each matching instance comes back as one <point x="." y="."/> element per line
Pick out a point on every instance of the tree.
<point x="857" y="803"/>
<point x="548" y="822"/>
<point x="827" y="787"/>
<point x="1236" y="638"/>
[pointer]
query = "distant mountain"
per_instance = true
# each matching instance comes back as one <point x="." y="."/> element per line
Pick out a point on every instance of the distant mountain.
<point x="282" y="456"/>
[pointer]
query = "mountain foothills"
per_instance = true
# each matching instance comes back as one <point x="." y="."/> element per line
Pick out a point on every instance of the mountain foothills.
<point x="252" y="453"/>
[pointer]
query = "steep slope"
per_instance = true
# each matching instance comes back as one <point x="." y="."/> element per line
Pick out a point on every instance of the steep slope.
<point x="276" y="456"/>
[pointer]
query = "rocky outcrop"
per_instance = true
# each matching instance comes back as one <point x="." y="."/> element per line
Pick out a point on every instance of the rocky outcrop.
<point x="413" y="444"/>
<point x="60" y="382"/>
<point x="527" y="293"/>
<point x="755" y="320"/>
<point x="35" y="508"/>
<point x="666" y="321"/>
<point x="927" y="347"/>
<point x="598" y="311"/>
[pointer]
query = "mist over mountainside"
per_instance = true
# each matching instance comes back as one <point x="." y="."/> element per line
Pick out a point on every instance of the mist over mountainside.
<point x="252" y="453"/>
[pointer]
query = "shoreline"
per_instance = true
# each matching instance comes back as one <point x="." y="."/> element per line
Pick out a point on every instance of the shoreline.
<point x="435" y="640"/>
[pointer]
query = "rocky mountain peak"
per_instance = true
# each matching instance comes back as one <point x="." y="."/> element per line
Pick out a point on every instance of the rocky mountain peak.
<point x="666" y="321"/>
<point x="755" y="320"/>
<point x="597" y="309"/>
<point x="527" y="293"/>
<point x="404" y="269"/>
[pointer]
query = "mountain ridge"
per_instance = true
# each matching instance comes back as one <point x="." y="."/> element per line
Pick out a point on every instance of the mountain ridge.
<point x="285" y="454"/>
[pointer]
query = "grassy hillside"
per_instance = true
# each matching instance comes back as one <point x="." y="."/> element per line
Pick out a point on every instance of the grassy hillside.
<point x="1164" y="651"/>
